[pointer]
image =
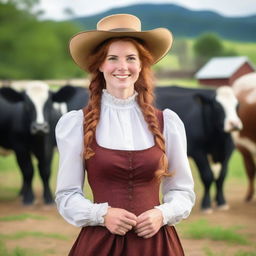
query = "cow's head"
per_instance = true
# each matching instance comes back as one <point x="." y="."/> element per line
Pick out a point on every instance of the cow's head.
<point x="222" y="105"/>
<point x="37" y="105"/>
<point x="226" y="98"/>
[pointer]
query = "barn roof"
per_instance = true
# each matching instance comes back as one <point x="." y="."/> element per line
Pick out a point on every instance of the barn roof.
<point x="221" y="67"/>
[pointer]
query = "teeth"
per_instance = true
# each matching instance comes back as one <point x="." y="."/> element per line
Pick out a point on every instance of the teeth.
<point x="121" y="76"/>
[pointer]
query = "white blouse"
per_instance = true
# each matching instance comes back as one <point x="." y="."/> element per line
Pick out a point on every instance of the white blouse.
<point x="121" y="126"/>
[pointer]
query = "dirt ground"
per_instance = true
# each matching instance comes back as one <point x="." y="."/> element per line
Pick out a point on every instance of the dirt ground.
<point x="240" y="215"/>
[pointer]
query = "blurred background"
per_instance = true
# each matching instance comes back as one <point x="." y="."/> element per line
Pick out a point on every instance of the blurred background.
<point x="34" y="35"/>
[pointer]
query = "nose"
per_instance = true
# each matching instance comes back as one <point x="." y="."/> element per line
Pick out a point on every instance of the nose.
<point x="37" y="128"/>
<point x="122" y="65"/>
<point x="233" y="125"/>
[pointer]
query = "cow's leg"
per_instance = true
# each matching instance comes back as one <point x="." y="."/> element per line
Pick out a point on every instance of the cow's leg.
<point x="22" y="187"/>
<point x="45" y="172"/>
<point x="250" y="170"/>
<point x="206" y="177"/>
<point x="44" y="166"/>
<point x="25" y="164"/>
<point x="220" y="199"/>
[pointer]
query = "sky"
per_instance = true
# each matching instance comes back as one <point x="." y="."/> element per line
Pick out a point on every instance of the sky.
<point x="54" y="9"/>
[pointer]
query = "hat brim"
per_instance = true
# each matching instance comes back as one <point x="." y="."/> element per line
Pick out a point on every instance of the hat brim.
<point x="158" y="41"/>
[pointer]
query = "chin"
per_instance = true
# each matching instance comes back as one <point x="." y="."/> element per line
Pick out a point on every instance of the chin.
<point x="125" y="86"/>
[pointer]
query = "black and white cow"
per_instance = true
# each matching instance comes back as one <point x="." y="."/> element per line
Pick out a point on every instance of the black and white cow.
<point x="27" y="124"/>
<point x="209" y="116"/>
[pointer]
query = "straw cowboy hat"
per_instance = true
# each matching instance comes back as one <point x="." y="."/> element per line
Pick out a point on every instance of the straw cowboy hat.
<point x="158" y="41"/>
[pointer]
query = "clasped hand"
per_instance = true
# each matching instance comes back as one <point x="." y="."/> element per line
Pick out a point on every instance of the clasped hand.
<point x="119" y="221"/>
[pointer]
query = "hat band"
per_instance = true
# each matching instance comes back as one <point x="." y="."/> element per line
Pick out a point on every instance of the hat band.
<point x="123" y="30"/>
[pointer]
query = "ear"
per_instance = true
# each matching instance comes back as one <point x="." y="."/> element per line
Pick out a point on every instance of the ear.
<point x="11" y="95"/>
<point x="64" y="94"/>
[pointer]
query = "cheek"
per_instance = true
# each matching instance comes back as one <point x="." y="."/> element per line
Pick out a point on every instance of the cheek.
<point x="106" y="68"/>
<point x="112" y="68"/>
<point x="136" y="69"/>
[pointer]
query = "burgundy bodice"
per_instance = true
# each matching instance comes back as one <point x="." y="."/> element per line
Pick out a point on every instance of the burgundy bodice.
<point x="125" y="179"/>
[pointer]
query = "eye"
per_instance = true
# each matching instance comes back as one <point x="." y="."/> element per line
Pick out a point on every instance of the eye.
<point x="131" y="58"/>
<point x="112" y="58"/>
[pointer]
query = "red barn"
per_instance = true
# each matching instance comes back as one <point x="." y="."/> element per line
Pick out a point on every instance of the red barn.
<point x="223" y="70"/>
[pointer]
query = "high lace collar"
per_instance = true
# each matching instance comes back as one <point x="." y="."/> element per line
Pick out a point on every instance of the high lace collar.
<point x="110" y="100"/>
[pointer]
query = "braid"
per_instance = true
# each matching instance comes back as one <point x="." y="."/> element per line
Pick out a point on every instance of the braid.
<point x="92" y="116"/>
<point x="144" y="87"/>
<point x="149" y="113"/>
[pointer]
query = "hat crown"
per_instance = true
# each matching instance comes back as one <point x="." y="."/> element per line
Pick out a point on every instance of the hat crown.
<point x="119" y="22"/>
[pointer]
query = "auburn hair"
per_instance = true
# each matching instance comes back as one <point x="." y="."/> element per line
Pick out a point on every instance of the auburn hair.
<point x="143" y="86"/>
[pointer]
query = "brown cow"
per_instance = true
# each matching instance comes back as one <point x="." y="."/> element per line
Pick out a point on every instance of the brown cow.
<point x="245" y="140"/>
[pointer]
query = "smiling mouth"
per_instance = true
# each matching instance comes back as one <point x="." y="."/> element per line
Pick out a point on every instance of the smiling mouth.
<point x="122" y="76"/>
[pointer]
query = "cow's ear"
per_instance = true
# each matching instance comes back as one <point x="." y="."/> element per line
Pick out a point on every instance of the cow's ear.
<point x="64" y="94"/>
<point x="11" y="95"/>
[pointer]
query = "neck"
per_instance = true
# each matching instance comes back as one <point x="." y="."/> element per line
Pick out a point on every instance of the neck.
<point x="121" y="94"/>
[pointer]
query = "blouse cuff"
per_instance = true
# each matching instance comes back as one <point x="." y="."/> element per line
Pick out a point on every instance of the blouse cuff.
<point x="171" y="217"/>
<point x="98" y="212"/>
<point x="165" y="212"/>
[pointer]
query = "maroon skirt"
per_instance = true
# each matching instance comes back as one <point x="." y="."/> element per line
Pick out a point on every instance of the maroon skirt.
<point x="98" y="241"/>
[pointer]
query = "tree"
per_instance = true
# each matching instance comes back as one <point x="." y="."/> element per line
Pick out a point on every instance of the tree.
<point x="22" y="4"/>
<point x="13" y="25"/>
<point x="207" y="46"/>
<point x="34" y="49"/>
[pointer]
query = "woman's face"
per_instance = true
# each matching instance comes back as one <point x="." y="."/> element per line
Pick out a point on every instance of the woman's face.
<point x="121" y="68"/>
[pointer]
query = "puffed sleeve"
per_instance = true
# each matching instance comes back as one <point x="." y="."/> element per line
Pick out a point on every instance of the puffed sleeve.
<point x="178" y="190"/>
<point x="70" y="199"/>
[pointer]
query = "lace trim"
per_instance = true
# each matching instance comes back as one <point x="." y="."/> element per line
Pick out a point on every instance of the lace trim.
<point x="111" y="100"/>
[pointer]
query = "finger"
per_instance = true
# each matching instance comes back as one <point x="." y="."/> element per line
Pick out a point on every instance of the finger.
<point x="130" y="222"/>
<point x="125" y="226"/>
<point x="142" y="218"/>
<point x="150" y="228"/>
<point x="121" y="231"/>
<point x="142" y="225"/>
<point x="144" y="233"/>
<point x="149" y="235"/>
<point x="131" y="216"/>
<point x="142" y="229"/>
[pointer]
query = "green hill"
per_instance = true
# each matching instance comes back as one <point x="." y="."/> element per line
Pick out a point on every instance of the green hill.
<point x="183" y="22"/>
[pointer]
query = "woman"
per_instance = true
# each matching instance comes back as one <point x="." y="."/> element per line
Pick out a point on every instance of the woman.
<point x="126" y="147"/>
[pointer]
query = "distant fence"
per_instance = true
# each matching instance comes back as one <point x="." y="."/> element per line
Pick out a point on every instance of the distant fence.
<point x="21" y="84"/>
<point x="84" y="82"/>
<point x="183" y="74"/>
